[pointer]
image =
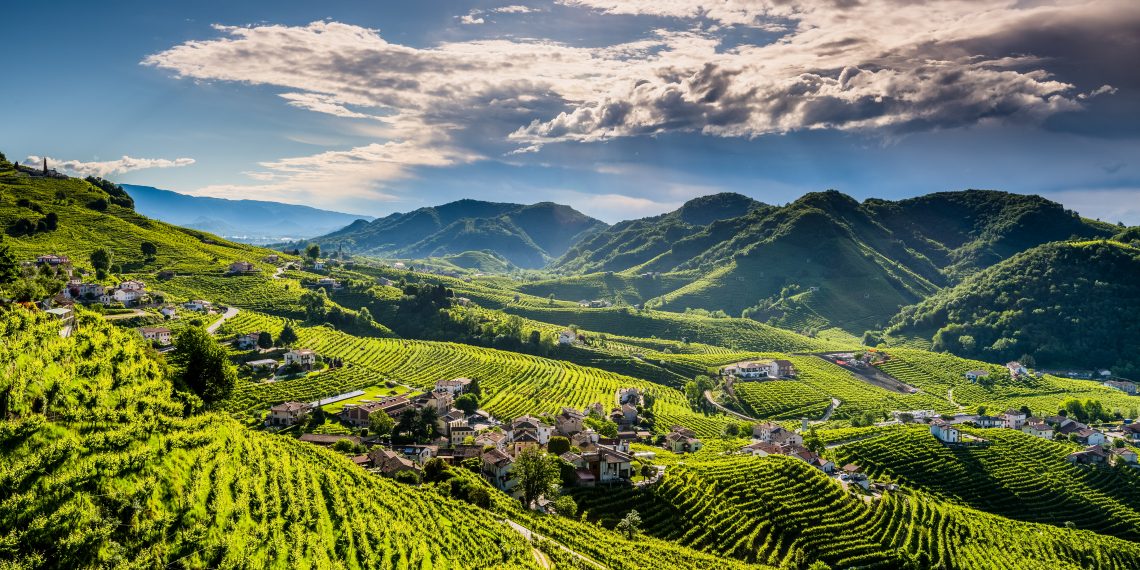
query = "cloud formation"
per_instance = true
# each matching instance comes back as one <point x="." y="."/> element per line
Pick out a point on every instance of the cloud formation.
<point x="887" y="67"/>
<point x="106" y="168"/>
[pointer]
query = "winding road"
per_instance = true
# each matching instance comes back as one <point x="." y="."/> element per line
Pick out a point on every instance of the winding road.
<point x="733" y="413"/>
<point x="229" y="314"/>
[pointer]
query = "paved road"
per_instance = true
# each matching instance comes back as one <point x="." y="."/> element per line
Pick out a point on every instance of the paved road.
<point x="530" y="535"/>
<point x="835" y="402"/>
<point x="229" y="314"/>
<point x="735" y="414"/>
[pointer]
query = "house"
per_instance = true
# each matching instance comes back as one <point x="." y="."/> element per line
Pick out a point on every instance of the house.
<point x="1122" y="385"/>
<point x="776" y="434"/>
<point x="420" y="454"/>
<point x="263" y="364"/>
<point x="748" y="369"/>
<point x="609" y="465"/>
<point x="988" y="421"/>
<point x="585" y="439"/>
<point x="287" y="414"/>
<point x="1057" y="421"/>
<point x="1037" y="428"/>
<point x="161" y="335"/>
<point x="1132" y="431"/>
<point x="328" y="283"/>
<point x="682" y="441"/>
<point x="631" y="395"/>
<point x="247" y="341"/>
<point x="1123" y="455"/>
<point x="359" y="415"/>
<point x="495" y="439"/>
<point x="440" y="400"/>
<point x="1016" y="369"/>
<point x="272" y="258"/>
<point x="455" y="386"/>
<point x="811" y="458"/>
<point x="384" y="281"/>
<point x="63" y="314"/>
<point x="399" y="265"/>
<point x="567" y="337"/>
<point x="762" y="449"/>
<point x="945" y="432"/>
<point x="240" y="267"/>
<point x="197" y="305"/>
<point x="532" y="425"/>
<point x="168" y="311"/>
<point x="389" y="463"/>
<point x="781" y="369"/>
<point x="327" y="440"/>
<point x="1091" y="455"/>
<point x="462" y="301"/>
<point x="569" y="421"/>
<point x="975" y="375"/>
<point x="1013" y="419"/>
<point x="1089" y="436"/>
<point x="497" y="467"/>
<point x="854" y="474"/>
<point x="627" y="415"/>
<point x="129" y="292"/>
<point x="305" y="358"/>
<point x="523" y="441"/>
<point x="458" y="431"/>
<point x="53" y="260"/>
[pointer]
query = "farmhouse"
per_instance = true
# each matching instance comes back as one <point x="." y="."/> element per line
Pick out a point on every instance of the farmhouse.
<point x="358" y="414"/>
<point x="197" y="305"/>
<point x="682" y="440"/>
<point x="328" y="283"/>
<point x="567" y="337"/>
<point x="748" y="369"/>
<point x="458" y="431"/>
<point x="168" y="311"/>
<point x="454" y="386"/>
<point x="248" y="341"/>
<point x="287" y="414"/>
<point x="1037" y="428"/>
<point x="497" y="468"/>
<point x="569" y="421"/>
<point x="1123" y="455"/>
<point x="988" y="421"/>
<point x="776" y="434"/>
<point x="945" y="432"/>
<point x="53" y="260"/>
<point x="161" y="335"/>
<point x="1016" y="369"/>
<point x="240" y="267"/>
<point x="1013" y="419"/>
<point x="263" y="364"/>
<point x="1132" y="431"/>
<point x="1122" y="385"/>
<point x="1091" y="455"/>
<point x="530" y="425"/>
<point x="608" y="464"/>
<point x="975" y="375"/>
<point x="305" y="358"/>
<point x="762" y="449"/>
<point x="1089" y="436"/>
<point x="389" y="463"/>
<point x="631" y="395"/>
<point x="781" y="369"/>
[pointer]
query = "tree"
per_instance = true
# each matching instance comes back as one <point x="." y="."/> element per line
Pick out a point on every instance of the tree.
<point x="813" y="441"/>
<point x="629" y="525"/>
<point x="149" y="250"/>
<point x="313" y="251"/>
<point x="436" y="470"/>
<point x="51" y="221"/>
<point x="288" y="336"/>
<point x="100" y="261"/>
<point x="468" y="403"/>
<point x="343" y="446"/>
<point x="202" y="366"/>
<point x="265" y="340"/>
<point x="732" y="430"/>
<point x="9" y="266"/>
<point x="315" y="304"/>
<point x="558" y="445"/>
<point x="565" y="506"/>
<point x="408" y="477"/>
<point x="537" y="474"/>
<point x="380" y="423"/>
<point x="982" y="410"/>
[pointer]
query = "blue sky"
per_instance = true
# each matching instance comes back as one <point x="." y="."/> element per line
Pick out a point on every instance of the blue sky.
<point x="620" y="108"/>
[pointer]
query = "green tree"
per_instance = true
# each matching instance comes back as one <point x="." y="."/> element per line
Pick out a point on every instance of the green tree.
<point x="313" y="251"/>
<point x="629" y="525"/>
<point x="537" y="474"/>
<point x="149" y="250"/>
<point x="100" y="261"/>
<point x="343" y="446"/>
<point x="315" y="304"/>
<point x="288" y="336"/>
<point x="380" y="423"/>
<point x="558" y="445"/>
<point x="436" y="469"/>
<point x="732" y="430"/>
<point x="265" y="340"/>
<point x="202" y="366"/>
<point x="565" y="506"/>
<point x="468" y="403"/>
<point x="982" y="410"/>
<point x="813" y="442"/>
<point x="9" y="266"/>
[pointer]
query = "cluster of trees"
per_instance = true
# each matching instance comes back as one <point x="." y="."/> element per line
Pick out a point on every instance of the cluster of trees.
<point x="27" y="226"/>
<point x="25" y="285"/>
<point x="318" y="309"/>
<point x="415" y="425"/>
<point x="115" y="193"/>
<point x="695" y="392"/>
<point x="201" y="366"/>
<point x="1084" y="411"/>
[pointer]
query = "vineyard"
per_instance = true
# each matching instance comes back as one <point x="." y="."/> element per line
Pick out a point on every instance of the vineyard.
<point x="513" y="384"/>
<point x="1019" y="476"/>
<point x="858" y="397"/>
<point x="775" y="509"/>
<point x="279" y="297"/>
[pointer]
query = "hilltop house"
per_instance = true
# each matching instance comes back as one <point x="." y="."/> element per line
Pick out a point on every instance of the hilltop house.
<point x="631" y="395"/>
<point x="287" y="414"/>
<point x="497" y="468"/>
<point x="1091" y="455"/>
<point x="975" y="375"/>
<point x="248" y="341"/>
<point x="161" y="335"/>
<point x="389" y="463"/>
<point x="1016" y="369"/>
<point x="749" y="369"/>
<point x="198" y="305"/>
<point x="129" y="292"/>
<point x="1123" y="455"/>
<point x="945" y="432"/>
<point x="305" y="358"/>
<point x="358" y="414"/>
<point x="240" y="267"/>
<point x="776" y="434"/>
<point x="567" y="337"/>
<point x="781" y="369"/>
<point x="1089" y="436"/>
<point x="265" y="363"/>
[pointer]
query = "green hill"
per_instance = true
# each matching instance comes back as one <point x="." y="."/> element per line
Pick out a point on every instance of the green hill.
<point x="1065" y="304"/>
<point x="526" y="235"/>
<point x="776" y="510"/>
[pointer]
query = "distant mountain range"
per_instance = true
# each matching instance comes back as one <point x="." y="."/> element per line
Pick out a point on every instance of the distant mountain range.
<point x="528" y="236"/>
<point x="250" y="221"/>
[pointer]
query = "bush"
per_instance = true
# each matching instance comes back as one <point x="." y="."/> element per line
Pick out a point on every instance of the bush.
<point x="408" y="477"/>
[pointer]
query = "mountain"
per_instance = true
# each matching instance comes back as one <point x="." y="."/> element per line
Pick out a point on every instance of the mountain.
<point x="252" y="221"/>
<point x="527" y="236"/>
<point x="1065" y="304"/>
<point x="826" y="259"/>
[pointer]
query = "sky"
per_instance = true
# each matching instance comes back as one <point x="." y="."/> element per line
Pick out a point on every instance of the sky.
<point x="621" y="109"/>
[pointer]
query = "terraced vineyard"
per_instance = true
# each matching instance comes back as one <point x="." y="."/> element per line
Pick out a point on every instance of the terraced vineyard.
<point x="781" y="400"/>
<point x="1019" y="476"/>
<point x="859" y="397"/>
<point x="938" y="372"/>
<point x="513" y="384"/>
<point x="274" y="296"/>
<point x="775" y="509"/>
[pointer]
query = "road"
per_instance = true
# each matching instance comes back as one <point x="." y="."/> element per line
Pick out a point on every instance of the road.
<point x="229" y="314"/>
<point x="543" y="561"/>
<point x="835" y="402"/>
<point x="735" y="414"/>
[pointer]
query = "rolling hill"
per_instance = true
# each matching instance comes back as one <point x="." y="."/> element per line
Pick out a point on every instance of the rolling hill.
<point x="251" y="221"/>
<point x="528" y="236"/>
<point x="1067" y="304"/>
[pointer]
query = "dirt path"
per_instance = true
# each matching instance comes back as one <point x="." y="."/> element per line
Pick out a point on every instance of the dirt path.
<point x="229" y="314"/>
<point x="543" y="561"/>
<point x="874" y="376"/>
<point x="733" y="413"/>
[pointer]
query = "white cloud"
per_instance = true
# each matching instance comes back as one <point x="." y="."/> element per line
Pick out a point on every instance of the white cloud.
<point x="882" y="66"/>
<point x="109" y="167"/>
<point x="472" y="18"/>
<point x="514" y="9"/>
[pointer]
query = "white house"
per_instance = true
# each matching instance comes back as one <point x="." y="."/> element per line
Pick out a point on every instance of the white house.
<point x="567" y="337"/>
<point x="1038" y="428"/>
<point x="197" y="305"/>
<point x="168" y="311"/>
<point x="305" y="358"/>
<point x="161" y="335"/>
<point x="944" y="431"/>
<point x="533" y="425"/>
<point x="287" y="414"/>
<point x="1016" y="369"/>
<point x="455" y="386"/>
<point x="974" y="375"/>
<point x="1013" y="419"/>
<point x="749" y="369"/>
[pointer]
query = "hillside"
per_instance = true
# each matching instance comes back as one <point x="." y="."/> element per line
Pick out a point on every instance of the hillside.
<point x="251" y="221"/>
<point x="1064" y="304"/>
<point x="526" y="235"/>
